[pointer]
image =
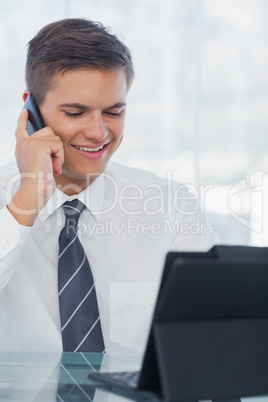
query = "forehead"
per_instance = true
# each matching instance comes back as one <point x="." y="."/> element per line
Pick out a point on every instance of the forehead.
<point x="86" y="80"/>
<point x="94" y="88"/>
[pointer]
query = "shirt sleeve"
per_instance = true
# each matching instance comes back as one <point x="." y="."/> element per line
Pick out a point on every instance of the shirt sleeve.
<point x="191" y="228"/>
<point x="195" y="234"/>
<point x="13" y="236"/>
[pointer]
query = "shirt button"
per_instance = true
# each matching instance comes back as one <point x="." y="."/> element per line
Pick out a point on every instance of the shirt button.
<point x="6" y="240"/>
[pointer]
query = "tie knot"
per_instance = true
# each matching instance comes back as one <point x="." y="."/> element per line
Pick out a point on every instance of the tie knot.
<point x="73" y="210"/>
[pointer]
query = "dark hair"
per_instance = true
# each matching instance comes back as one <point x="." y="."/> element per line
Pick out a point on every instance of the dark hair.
<point x="73" y="44"/>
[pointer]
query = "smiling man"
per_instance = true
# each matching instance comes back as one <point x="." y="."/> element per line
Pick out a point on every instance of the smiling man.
<point x="84" y="113"/>
<point x="64" y="203"/>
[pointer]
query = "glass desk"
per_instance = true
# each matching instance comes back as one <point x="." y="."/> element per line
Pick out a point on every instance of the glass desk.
<point x="53" y="377"/>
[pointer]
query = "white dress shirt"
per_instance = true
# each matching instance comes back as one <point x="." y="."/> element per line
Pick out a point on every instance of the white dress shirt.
<point x="131" y="220"/>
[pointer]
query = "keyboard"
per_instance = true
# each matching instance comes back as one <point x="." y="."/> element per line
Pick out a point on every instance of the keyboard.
<point x="127" y="383"/>
<point x="123" y="379"/>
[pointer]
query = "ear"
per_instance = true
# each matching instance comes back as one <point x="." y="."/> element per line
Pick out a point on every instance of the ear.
<point x="25" y="95"/>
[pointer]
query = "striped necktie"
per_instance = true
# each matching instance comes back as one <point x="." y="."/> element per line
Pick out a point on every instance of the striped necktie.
<point x="79" y="313"/>
<point x="70" y="386"/>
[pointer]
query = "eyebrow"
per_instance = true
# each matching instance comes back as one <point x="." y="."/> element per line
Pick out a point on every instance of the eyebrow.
<point x="84" y="107"/>
<point x="75" y="106"/>
<point x="116" y="105"/>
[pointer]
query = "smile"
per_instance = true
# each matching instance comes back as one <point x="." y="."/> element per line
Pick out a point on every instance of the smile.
<point x="89" y="149"/>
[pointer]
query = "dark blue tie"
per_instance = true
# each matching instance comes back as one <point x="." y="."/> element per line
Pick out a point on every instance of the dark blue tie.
<point x="79" y="313"/>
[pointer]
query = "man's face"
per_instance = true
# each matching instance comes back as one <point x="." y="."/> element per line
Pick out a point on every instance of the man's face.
<point x="86" y="109"/>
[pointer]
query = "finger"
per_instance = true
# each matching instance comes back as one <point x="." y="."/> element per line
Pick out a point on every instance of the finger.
<point x="58" y="160"/>
<point x="21" y="130"/>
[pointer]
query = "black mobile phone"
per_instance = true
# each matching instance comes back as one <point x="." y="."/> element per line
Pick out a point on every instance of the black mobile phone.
<point x="35" y="121"/>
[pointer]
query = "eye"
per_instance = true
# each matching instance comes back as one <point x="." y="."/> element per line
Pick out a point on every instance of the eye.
<point x="73" y="115"/>
<point x="118" y="114"/>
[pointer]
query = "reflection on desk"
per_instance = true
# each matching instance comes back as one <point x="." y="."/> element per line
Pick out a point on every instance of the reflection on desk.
<point x="53" y="377"/>
<point x="40" y="376"/>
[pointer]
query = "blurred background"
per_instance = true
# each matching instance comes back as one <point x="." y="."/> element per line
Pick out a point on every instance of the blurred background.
<point x="198" y="109"/>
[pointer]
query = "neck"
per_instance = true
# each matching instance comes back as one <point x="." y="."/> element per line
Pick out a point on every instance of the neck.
<point x="74" y="186"/>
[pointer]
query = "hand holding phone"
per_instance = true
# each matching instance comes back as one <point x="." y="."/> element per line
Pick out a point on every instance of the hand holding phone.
<point x="34" y="154"/>
<point x="35" y="121"/>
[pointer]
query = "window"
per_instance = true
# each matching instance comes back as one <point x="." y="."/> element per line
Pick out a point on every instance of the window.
<point x="198" y="106"/>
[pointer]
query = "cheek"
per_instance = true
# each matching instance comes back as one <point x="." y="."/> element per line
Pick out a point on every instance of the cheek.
<point x="65" y="130"/>
<point x="118" y="128"/>
<point x="119" y="135"/>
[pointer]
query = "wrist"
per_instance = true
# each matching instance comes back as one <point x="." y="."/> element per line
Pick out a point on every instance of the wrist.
<point x="26" y="205"/>
<point x="23" y="209"/>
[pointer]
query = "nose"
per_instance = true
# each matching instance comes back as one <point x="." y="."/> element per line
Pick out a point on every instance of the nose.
<point x="95" y="128"/>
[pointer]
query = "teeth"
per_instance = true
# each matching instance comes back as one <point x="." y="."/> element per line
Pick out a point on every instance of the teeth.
<point x="89" y="149"/>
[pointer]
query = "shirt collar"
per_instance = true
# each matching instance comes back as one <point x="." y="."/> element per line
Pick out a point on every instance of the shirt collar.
<point x="92" y="196"/>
